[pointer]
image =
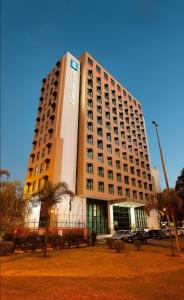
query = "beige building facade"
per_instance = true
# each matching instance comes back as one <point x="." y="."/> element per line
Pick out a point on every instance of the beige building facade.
<point x="90" y="133"/>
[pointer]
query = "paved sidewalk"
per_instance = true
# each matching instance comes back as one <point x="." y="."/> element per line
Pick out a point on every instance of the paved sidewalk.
<point x="166" y="243"/>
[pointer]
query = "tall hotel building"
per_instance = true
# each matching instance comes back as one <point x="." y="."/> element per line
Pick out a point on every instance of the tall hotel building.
<point x="90" y="133"/>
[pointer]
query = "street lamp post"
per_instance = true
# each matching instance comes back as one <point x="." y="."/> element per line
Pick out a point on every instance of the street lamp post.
<point x="166" y="182"/>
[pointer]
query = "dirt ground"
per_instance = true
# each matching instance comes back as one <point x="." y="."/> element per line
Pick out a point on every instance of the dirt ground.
<point x="94" y="273"/>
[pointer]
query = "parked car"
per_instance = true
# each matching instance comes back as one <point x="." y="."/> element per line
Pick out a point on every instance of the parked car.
<point x="122" y="235"/>
<point x="156" y="234"/>
<point x="138" y="235"/>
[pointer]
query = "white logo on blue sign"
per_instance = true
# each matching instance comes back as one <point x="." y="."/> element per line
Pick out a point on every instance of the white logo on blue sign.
<point x="74" y="65"/>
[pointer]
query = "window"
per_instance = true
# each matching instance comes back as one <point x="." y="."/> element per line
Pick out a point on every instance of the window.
<point x="124" y="92"/>
<point x="101" y="187"/>
<point x="141" y="195"/>
<point x="132" y="170"/>
<point x="90" y="82"/>
<point x="118" y="176"/>
<point x="38" y="155"/>
<point x="124" y="156"/>
<point x="34" y="185"/>
<point x="126" y="179"/>
<point x="101" y="171"/>
<point x="90" y="114"/>
<point x="134" y="195"/>
<point x="108" y="136"/>
<point x="127" y="192"/>
<point x="116" y="141"/>
<point x="112" y="81"/>
<point x="108" y="126"/>
<point x="90" y="102"/>
<point x="90" y="92"/>
<point x="139" y="184"/>
<point x="100" y="144"/>
<point x="47" y="162"/>
<point x="41" y="168"/>
<point x="110" y="174"/>
<point x="111" y="188"/>
<point x="99" y="99"/>
<point x="90" y="126"/>
<point x="133" y="182"/>
<point x="125" y="167"/>
<point x="115" y="130"/>
<point x="99" y="109"/>
<point x="131" y="159"/>
<point x="150" y="187"/>
<point x="106" y="86"/>
<point x="100" y="131"/>
<point x="138" y="172"/>
<point x="89" y="168"/>
<point x="89" y="184"/>
<point x="98" y="69"/>
<point x="99" y="120"/>
<point x="89" y="139"/>
<point x="118" y="87"/>
<point x="90" y="73"/>
<point x="117" y="164"/>
<point x="107" y="114"/>
<point x="117" y="152"/>
<point x="145" y="186"/>
<point x="36" y="170"/>
<point x="109" y="161"/>
<point x="120" y="191"/>
<point x="130" y="148"/>
<point x="43" y="152"/>
<point x="100" y="157"/>
<point x="109" y="148"/>
<point x="89" y="153"/>
<point x="115" y="120"/>
<point x="90" y="61"/>
<point x="105" y="75"/>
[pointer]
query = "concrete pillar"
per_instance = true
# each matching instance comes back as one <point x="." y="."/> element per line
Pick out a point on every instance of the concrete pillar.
<point x="132" y="216"/>
<point x="110" y="219"/>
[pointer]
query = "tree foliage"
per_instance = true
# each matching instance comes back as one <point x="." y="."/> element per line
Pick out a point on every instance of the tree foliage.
<point x="180" y="185"/>
<point x="14" y="205"/>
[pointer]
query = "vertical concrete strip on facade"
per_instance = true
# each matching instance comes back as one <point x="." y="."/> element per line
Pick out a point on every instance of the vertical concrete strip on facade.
<point x="69" y="136"/>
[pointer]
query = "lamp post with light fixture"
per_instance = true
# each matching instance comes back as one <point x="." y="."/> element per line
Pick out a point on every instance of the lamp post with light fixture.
<point x="167" y="185"/>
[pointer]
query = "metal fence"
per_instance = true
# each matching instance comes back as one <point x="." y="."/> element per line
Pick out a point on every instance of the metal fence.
<point x="42" y="224"/>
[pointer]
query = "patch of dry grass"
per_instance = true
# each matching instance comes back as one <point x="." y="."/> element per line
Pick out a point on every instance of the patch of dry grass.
<point x="94" y="273"/>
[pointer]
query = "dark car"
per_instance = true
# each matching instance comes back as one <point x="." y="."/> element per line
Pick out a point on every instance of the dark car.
<point x="156" y="234"/>
<point x="138" y="235"/>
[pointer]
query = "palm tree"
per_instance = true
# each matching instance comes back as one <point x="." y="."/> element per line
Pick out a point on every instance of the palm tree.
<point x="48" y="196"/>
<point x="172" y="203"/>
<point x="167" y="201"/>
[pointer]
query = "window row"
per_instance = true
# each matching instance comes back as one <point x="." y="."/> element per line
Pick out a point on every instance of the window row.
<point x="111" y="190"/>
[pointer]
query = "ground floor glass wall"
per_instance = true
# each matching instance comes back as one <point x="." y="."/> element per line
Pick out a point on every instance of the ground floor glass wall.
<point x="97" y="215"/>
<point x="140" y="218"/>
<point x="122" y="216"/>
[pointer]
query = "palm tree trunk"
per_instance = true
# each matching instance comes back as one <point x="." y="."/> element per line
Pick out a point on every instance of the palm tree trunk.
<point x="178" y="246"/>
<point x="170" y="236"/>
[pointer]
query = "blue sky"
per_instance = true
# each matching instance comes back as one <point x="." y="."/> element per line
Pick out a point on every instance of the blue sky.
<point x="141" y="42"/>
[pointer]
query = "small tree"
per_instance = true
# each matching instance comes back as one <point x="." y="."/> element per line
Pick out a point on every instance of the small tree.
<point x="48" y="196"/>
<point x="14" y="205"/>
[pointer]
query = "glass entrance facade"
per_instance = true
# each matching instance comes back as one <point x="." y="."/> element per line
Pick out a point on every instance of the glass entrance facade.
<point x="140" y="218"/>
<point x="122" y="216"/>
<point x="97" y="215"/>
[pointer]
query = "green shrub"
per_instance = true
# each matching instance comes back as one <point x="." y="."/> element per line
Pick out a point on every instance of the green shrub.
<point x="137" y="244"/>
<point x="6" y="247"/>
<point x="118" y="245"/>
